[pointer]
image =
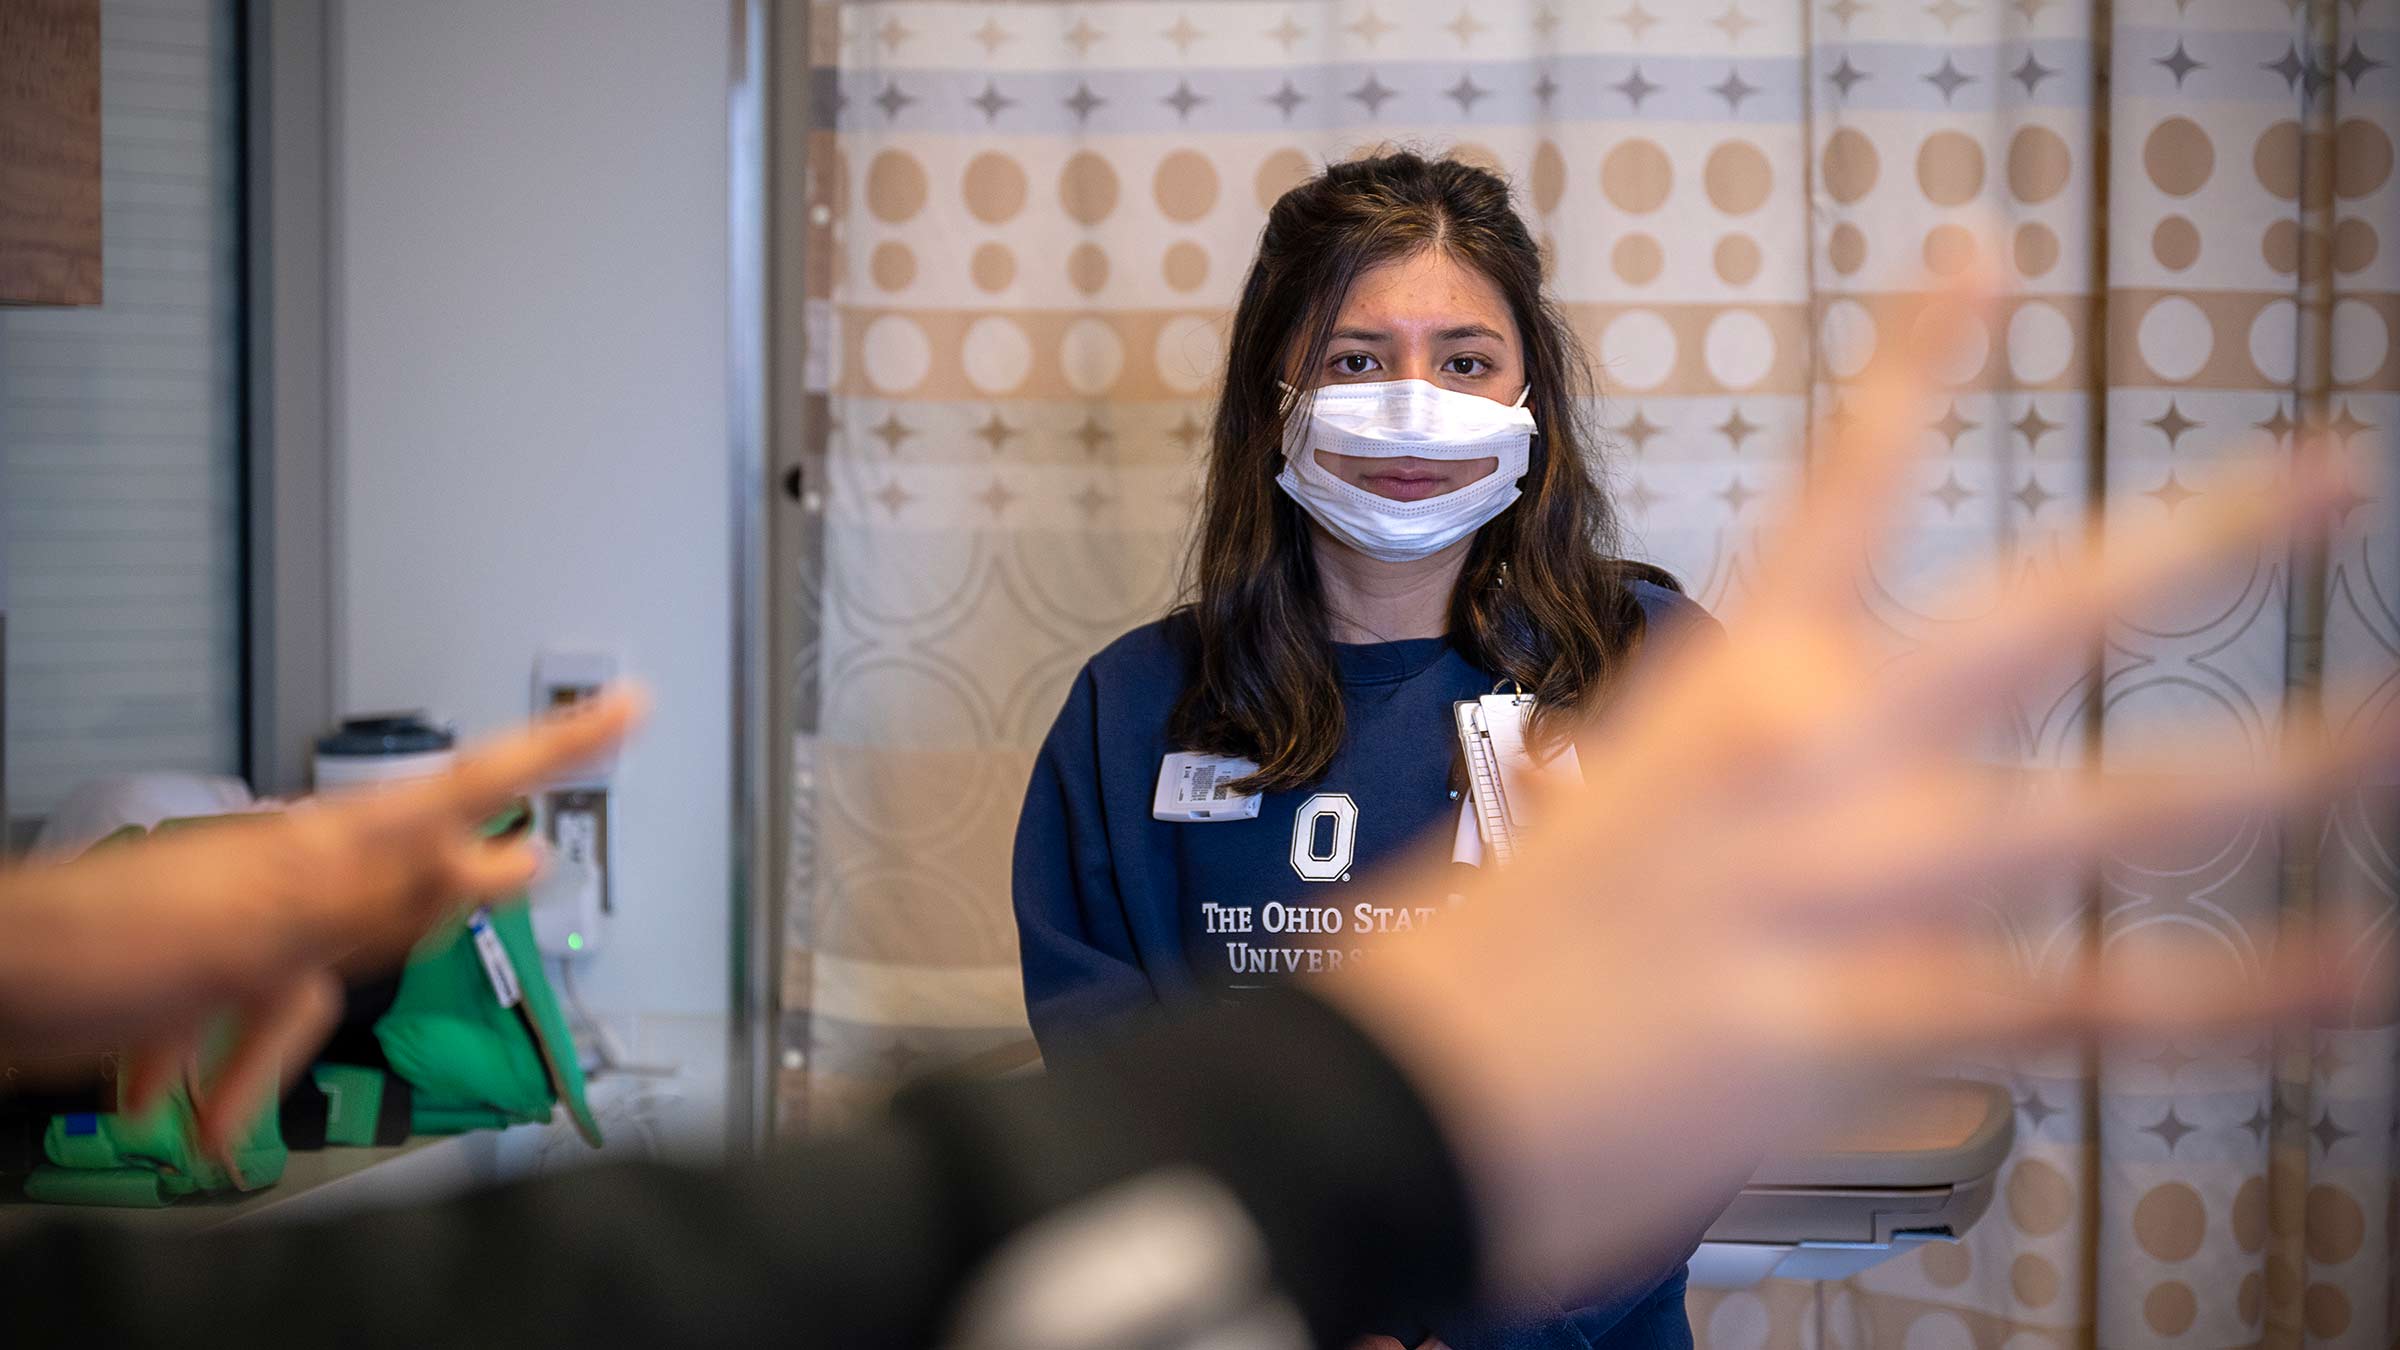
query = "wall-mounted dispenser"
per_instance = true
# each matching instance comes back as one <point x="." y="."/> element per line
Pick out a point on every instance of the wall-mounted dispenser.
<point x="573" y="900"/>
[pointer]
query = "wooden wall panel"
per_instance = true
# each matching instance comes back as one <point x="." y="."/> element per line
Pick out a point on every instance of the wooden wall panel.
<point x="50" y="152"/>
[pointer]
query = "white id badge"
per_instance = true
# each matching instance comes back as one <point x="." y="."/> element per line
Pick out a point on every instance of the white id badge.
<point x="1194" y="787"/>
<point x="496" y="968"/>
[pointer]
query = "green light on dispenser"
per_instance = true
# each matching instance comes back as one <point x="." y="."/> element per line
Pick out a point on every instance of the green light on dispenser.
<point x="574" y="942"/>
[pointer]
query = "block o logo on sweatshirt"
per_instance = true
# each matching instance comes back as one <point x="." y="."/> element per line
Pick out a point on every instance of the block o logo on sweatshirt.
<point x="1331" y="862"/>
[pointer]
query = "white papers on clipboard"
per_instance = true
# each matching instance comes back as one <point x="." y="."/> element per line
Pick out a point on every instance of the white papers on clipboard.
<point x="1503" y="775"/>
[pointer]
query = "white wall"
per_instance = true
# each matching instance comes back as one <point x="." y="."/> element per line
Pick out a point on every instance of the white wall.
<point x="530" y="406"/>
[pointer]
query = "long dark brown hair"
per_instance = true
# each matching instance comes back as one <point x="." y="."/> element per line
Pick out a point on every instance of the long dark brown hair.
<point x="1543" y="598"/>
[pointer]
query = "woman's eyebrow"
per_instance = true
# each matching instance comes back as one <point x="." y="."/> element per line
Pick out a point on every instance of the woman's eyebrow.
<point x="1459" y="333"/>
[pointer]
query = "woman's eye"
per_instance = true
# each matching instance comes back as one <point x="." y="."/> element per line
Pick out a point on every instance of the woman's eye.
<point x="1354" y="363"/>
<point x="1468" y="365"/>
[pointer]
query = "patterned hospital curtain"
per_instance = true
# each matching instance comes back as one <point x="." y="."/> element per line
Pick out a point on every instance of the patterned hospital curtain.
<point x="1026" y="223"/>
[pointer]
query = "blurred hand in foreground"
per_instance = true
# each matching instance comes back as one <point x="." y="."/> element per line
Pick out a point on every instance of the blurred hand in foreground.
<point x="1767" y="888"/>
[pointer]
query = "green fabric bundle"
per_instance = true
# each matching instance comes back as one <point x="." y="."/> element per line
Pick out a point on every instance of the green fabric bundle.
<point x="475" y="1033"/>
<point x="145" y="1161"/>
<point x="475" y="1063"/>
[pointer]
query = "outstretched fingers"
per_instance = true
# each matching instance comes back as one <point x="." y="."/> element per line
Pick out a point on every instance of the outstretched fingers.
<point x="278" y="1035"/>
<point x="1812" y="561"/>
<point x="489" y="776"/>
<point x="2252" y="514"/>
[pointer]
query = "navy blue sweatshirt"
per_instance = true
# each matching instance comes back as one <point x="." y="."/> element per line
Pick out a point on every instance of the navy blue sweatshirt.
<point x="1118" y="912"/>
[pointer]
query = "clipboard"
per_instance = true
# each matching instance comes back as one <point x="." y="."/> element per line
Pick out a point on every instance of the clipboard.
<point x="1503" y="775"/>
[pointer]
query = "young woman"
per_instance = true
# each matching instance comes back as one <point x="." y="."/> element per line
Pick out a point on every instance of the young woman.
<point x="1404" y="510"/>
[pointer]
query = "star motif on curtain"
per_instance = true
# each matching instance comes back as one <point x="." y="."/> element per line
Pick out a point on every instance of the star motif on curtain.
<point x="996" y="498"/>
<point x="1091" y="500"/>
<point x="2314" y="79"/>
<point x="1737" y="495"/>
<point x="1464" y="93"/>
<point x="1734" y="23"/>
<point x="1636" y="88"/>
<point x="1466" y="27"/>
<point x="1093" y="436"/>
<point x="2179" y="62"/>
<point x="2356" y="63"/>
<point x="1545" y="22"/>
<point x="2172" y="1060"/>
<point x="1374" y="94"/>
<point x="2259" y="1123"/>
<point x="991" y="35"/>
<point x="2289" y="66"/>
<point x="2172" y="493"/>
<point x="2279" y="426"/>
<point x="893" y="33"/>
<point x="893" y="496"/>
<point x="1082" y="102"/>
<point x="2031" y="73"/>
<point x="892" y="100"/>
<point x="1846" y="10"/>
<point x="1286" y="99"/>
<point x="2347" y="424"/>
<point x="893" y="432"/>
<point x="1082" y="36"/>
<point x="2328" y="1132"/>
<point x="1846" y="76"/>
<point x="1183" y="35"/>
<point x="997" y="433"/>
<point x="1183" y="100"/>
<point x="1186" y="433"/>
<point x="1949" y="79"/>
<point x="1952" y="426"/>
<point x="2033" y="496"/>
<point x="1287" y="32"/>
<point x="1642" y="498"/>
<point x="1949" y="12"/>
<point x="992" y="102"/>
<point x="2031" y="9"/>
<point x="1733" y="89"/>
<point x="1737" y="428"/>
<point x="1952" y="493"/>
<point x="2172" y="1129"/>
<point x="2037" y="1109"/>
<point x="1637" y="20"/>
<point x="1371" y="26"/>
<point x="2172" y="424"/>
<point x="1638" y="429"/>
<point x="2033" y="426"/>
<point x="1544" y="89"/>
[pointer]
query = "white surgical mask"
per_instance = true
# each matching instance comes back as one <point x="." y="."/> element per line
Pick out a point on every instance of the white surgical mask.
<point x="1390" y="419"/>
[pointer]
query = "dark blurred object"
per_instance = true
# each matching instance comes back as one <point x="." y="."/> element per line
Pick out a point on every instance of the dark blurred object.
<point x="50" y="152"/>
